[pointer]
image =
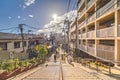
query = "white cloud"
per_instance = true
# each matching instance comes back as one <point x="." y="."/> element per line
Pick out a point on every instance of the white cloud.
<point x="18" y="17"/>
<point x="31" y="16"/>
<point x="57" y="26"/>
<point x="9" y="17"/>
<point x="28" y="3"/>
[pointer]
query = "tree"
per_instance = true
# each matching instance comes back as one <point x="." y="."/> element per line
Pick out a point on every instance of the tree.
<point x="42" y="51"/>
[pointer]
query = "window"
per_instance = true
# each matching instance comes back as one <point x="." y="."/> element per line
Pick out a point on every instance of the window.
<point x="16" y="44"/>
<point x="3" y="45"/>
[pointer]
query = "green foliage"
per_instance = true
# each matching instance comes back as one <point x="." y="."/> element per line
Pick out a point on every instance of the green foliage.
<point x="33" y="60"/>
<point x="16" y="63"/>
<point x="10" y="65"/>
<point x="1" y="49"/>
<point x="42" y="51"/>
<point x="13" y="64"/>
<point x="23" y="64"/>
<point x="0" y="66"/>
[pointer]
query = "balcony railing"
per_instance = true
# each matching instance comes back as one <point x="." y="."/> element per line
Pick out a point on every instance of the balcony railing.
<point x="91" y="34"/>
<point x="91" y="50"/>
<point x="119" y="30"/>
<point x="73" y="36"/>
<point x="80" y="4"/>
<point x="90" y="3"/>
<point x="84" y="35"/>
<point x="80" y="36"/>
<point x="106" y="52"/>
<point x="73" y="28"/>
<point x="83" y="47"/>
<point x="82" y="23"/>
<point x="91" y="18"/>
<point x="105" y="48"/>
<point x="118" y="3"/>
<point x="108" y="7"/>
<point x="106" y="32"/>
<point x="82" y="11"/>
<point x="79" y="15"/>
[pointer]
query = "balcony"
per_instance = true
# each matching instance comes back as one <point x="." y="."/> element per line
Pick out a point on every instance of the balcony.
<point x="91" y="34"/>
<point x="80" y="4"/>
<point x="83" y="47"/>
<point x="82" y="23"/>
<point x="79" y="15"/>
<point x="105" y="32"/>
<point x="84" y="35"/>
<point x="90" y="3"/>
<point x="79" y="36"/>
<point x="118" y="3"/>
<point x="119" y="30"/>
<point x="91" y="18"/>
<point x="106" y="52"/>
<point x="91" y="50"/>
<point x="73" y="36"/>
<point x="82" y="11"/>
<point x="73" y="28"/>
<point x="106" y="8"/>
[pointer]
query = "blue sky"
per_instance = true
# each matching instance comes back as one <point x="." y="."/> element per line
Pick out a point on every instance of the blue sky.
<point x="36" y="13"/>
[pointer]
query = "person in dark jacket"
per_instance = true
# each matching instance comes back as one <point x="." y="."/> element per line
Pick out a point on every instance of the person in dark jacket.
<point x="54" y="57"/>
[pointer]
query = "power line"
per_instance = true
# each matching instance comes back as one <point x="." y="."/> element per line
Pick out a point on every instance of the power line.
<point x="74" y="7"/>
<point x="68" y="5"/>
<point x="7" y="28"/>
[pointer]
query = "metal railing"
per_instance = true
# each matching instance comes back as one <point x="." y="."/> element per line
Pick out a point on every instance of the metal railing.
<point x="90" y="3"/>
<point x="91" y="18"/>
<point x="73" y="28"/>
<point x="91" y="50"/>
<point x="119" y="30"/>
<point x="80" y="4"/>
<point x="83" y="47"/>
<point x="105" y="48"/>
<point x="82" y="23"/>
<point x="91" y="34"/>
<point x="108" y="7"/>
<point x="106" y="32"/>
<point x="80" y="36"/>
<point x="84" y="35"/>
<point x="106" y="54"/>
<point x="83" y="11"/>
<point x="118" y="3"/>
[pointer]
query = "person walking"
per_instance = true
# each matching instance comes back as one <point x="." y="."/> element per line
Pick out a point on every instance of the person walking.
<point x="55" y="57"/>
<point x="70" y="58"/>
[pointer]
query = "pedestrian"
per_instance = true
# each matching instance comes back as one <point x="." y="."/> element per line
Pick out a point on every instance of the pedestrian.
<point x="70" y="58"/>
<point x="54" y="57"/>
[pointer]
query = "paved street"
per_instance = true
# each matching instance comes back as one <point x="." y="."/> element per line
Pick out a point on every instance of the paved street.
<point x="61" y="70"/>
<point x="76" y="73"/>
<point x="51" y="72"/>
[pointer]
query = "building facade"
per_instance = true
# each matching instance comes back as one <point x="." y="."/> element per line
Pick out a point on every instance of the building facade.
<point x="98" y="26"/>
<point x="11" y="46"/>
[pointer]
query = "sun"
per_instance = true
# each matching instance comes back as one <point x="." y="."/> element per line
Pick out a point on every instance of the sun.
<point x="54" y="16"/>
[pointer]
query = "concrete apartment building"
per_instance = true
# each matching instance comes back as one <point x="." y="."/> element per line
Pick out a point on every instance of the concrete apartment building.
<point x="97" y="29"/>
<point x="12" y="43"/>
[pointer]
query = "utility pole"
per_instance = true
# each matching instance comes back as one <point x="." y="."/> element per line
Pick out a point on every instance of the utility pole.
<point x="68" y="27"/>
<point x="68" y="36"/>
<point x="21" y="30"/>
